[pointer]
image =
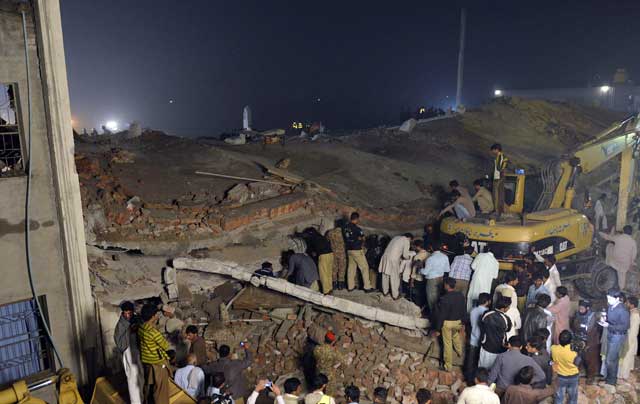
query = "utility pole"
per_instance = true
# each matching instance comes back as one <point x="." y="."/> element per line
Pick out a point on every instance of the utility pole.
<point x="463" y="23"/>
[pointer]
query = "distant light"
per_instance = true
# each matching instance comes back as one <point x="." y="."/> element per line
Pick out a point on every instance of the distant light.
<point x="497" y="93"/>
<point x="605" y="89"/>
<point x="422" y="110"/>
<point x="170" y="101"/>
<point x="318" y="99"/>
<point x="111" y="125"/>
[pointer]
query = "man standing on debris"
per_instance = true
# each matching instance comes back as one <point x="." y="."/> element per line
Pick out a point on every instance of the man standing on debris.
<point x="499" y="168"/>
<point x="600" y="219"/>
<point x="197" y="345"/>
<point x="451" y="317"/>
<point x="507" y="364"/>
<point x="190" y="377"/>
<point x="621" y="255"/>
<point x="480" y="392"/>
<point x="327" y="358"/>
<point x="508" y="289"/>
<point x="127" y="344"/>
<point x="320" y="247"/>
<point x="495" y="324"/>
<point x="482" y="197"/>
<point x="399" y="249"/>
<point x="153" y="352"/>
<point x="339" y="257"/>
<point x="617" y="324"/>
<point x="585" y="328"/>
<point x="461" y="270"/>
<point x="486" y="269"/>
<point x="304" y="270"/>
<point x="354" y="238"/>
<point x="233" y="371"/>
<point x="434" y="269"/>
<point x="630" y="350"/>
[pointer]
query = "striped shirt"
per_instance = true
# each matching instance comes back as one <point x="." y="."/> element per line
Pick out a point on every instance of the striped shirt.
<point x="461" y="267"/>
<point x="153" y="346"/>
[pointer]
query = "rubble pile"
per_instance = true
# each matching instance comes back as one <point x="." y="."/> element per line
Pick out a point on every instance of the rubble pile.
<point x="282" y="332"/>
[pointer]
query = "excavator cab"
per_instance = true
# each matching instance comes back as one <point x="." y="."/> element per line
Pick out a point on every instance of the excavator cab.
<point x="514" y="192"/>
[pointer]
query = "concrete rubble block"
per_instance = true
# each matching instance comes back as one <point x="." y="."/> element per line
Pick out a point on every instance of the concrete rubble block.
<point x="263" y="190"/>
<point x="408" y="125"/>
<point x="169" y="275"/>
<point x="239" y="194"/>
<point x="240" y="139"/>
<point x="281" y="285"/>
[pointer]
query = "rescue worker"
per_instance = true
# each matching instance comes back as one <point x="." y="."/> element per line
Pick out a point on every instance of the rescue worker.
<point x="339" y="257"/>
<point x="390" y="265"/>
<point x="320" y="248"/>
<point x="155" y="360"/>
<point x="354" y="239"/>
<point x="327" y="358"/>
<point x="499" y="168"/>
<point x="482" y="197"/>
<point x="621" y="255"/>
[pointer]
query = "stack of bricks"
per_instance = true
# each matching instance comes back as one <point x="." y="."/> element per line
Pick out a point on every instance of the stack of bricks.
<point x="370" y="361"/>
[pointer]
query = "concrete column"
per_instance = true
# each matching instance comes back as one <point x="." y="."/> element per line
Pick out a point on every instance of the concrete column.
<point x="66" y="184"/>
<point x="626" y="184"/>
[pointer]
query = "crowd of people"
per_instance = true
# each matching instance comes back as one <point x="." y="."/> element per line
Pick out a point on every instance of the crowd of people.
<point x="517" y="336"/>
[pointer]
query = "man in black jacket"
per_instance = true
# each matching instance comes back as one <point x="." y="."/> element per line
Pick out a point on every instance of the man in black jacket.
<point x="536" y="317"/>
<point x="495" y="324"/>
<point x="320" y="249"/>
<point x="451" y="315"/>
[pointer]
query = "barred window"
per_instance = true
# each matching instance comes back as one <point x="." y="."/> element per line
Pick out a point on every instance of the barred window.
<point x="25" y="352"/>
<point x="11" y="161"/>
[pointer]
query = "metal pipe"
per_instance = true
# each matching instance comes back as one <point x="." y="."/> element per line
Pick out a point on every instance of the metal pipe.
<point x="463" y="23"/>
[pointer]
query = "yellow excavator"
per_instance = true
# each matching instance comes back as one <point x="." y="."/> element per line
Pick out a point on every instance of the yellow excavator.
<point x="554" y="226"/>
<point x="67" y="392"/>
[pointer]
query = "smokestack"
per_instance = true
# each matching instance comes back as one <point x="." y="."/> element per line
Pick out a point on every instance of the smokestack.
<point x="463" y="23"/>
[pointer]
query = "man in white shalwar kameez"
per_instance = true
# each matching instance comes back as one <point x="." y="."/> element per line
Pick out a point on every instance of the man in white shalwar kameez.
<point x="390" y="267"/>
<point x="486" y="269"/>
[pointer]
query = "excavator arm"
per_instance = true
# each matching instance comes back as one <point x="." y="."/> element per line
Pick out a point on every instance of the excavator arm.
<point x="621" y="138"/>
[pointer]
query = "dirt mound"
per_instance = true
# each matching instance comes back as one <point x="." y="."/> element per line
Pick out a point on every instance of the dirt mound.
<point x="385" y="171"/>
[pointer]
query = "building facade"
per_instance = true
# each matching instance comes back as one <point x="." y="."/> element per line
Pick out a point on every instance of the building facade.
<point x="43" y="201"/>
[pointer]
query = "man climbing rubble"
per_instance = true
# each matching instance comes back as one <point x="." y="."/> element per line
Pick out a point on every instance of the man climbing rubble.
<point x="354" y="238"/>
<point x="327" y="359"/>
<point x="621" y="254"/>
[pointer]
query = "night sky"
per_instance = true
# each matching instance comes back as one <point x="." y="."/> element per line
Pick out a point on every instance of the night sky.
<point x="351" y="64"/>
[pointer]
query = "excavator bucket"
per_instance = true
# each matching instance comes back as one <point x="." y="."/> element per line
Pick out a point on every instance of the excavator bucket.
<point x="105" y="393"/>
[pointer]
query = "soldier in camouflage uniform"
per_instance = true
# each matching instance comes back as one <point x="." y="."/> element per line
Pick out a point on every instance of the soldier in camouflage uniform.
<point x="327" y="357"/>
<point x="339" y="257"/>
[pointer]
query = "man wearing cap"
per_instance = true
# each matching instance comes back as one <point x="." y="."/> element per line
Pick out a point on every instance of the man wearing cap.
<point x="586" y="329"/>
<point x="327" y="358"/>
<point x="617" y="324"/>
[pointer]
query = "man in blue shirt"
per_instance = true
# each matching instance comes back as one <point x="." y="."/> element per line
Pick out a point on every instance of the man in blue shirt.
<point x="434" y="269"/>
<point x="617" y="324"/>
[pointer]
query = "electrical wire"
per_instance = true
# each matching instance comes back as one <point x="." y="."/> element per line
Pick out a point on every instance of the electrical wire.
<point x="27" y="204"/>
